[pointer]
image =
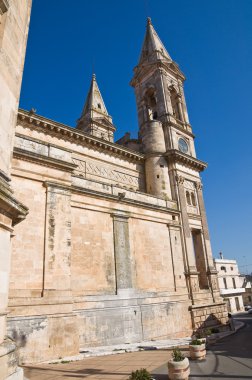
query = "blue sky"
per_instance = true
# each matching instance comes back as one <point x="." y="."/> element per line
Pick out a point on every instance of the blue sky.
<point x="212" y="43"/>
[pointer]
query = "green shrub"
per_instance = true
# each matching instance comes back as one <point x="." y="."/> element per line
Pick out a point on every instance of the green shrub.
<point x="177" y="355"/>
<point x="140" y="374"/>
<point x="208" y="332"/>
<point x="196" y="342"/>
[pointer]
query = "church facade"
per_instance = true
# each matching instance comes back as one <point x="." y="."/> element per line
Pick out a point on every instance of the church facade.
<point x="115" y="247"/>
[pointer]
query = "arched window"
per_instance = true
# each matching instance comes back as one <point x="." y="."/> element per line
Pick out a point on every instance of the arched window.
<point x="223" y="268"/>
<point x="151" y="104"/>
<point x="193" y="199"/>
<point x="188" y="198"/>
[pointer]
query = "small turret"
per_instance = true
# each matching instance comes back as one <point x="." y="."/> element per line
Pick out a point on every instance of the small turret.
<point x="95" y="119"/>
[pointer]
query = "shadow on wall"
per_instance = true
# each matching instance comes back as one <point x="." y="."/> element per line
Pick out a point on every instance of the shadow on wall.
<point x="19" y="338"/>
<point x="212" y="325"/>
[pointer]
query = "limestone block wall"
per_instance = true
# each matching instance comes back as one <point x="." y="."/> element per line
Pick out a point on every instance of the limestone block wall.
<point x="95" y="260"/>
<point x="28" y="241"/>
<point x="93" y="268"/>
<point x="152" y="256"/>
<point x="44" y="337"/>
<point x="208" y="316"/>
<point x="114" y="321"/>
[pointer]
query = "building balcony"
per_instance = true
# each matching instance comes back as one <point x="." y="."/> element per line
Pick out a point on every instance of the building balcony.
<point x="224" y="292"/>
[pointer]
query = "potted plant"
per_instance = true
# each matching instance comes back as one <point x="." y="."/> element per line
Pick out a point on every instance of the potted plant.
<point x="210" y="336"/>
<point x="197" y="349"/>
<point x="178" y="366"/>
<point x="140" y="374"/>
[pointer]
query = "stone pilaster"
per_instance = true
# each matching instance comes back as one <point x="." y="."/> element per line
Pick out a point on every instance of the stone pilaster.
<point x="205" y="230"/>
<point x="191" y="264"/>
<point x="57" y="257"/>
<point x="211" y="271"/>
<point x="123" y="263"/>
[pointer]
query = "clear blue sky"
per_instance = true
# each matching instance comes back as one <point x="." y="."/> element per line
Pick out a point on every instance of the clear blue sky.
<point x="212" y="43"/>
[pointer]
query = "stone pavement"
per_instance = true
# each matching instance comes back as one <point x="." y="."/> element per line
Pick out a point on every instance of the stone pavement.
<point x="113" y="362"/>
<point x="111" y="367"/>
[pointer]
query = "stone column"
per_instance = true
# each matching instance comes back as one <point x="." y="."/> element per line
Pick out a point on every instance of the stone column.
<point x="57" y="257"/>
<point x="123" y="265"/>
<point x="191" y="263"/>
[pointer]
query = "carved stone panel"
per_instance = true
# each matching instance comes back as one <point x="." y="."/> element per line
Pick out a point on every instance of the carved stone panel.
<point x="99" y="172"/>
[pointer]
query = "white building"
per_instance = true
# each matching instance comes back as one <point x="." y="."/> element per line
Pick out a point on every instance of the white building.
<point x="229" y="283"/>
<point x="247" y="285"/>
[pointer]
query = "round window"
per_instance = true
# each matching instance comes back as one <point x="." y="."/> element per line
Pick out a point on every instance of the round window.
<point x="183" y="146"/>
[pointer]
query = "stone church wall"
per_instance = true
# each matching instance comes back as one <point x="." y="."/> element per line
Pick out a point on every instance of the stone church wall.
<point x="28" y="242"/>
<point x="93" y="268"/>
<point x="69" y="273"/>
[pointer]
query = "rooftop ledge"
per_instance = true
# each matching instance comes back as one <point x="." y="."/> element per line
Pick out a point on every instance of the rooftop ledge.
<point x="232" y="291"/>
<point x="70" y="133"/>
<point x="122" y="194"/>
<point x="185" y="159"/>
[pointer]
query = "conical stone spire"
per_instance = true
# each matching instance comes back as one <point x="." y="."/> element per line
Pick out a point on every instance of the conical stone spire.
<point x="153" y="48"/>
<point x="95" y="119"/>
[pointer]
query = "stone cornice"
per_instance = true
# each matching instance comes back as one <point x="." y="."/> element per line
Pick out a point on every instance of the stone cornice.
<point x="181" y="128"/>
<point x="10" y="206"/>
<point x="32" y="120"/>
<point x="144" y="69"/>
<point x="106" y="124"/>
<point x="189" y="161"/>
<point x="43" y="160"/>
<point x="171" y="206"/>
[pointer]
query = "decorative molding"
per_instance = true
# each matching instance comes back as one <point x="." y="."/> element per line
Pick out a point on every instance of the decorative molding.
<point x="34" y="121"/>
<point x="43" y="160"/>
<point x="107" y="191"/>
<point x="180" y="179"/>
<point x="87" y="168"/>
<point x="10" y="206"/>
<point x="175" y="155"/>
<point x="199" y="186"/>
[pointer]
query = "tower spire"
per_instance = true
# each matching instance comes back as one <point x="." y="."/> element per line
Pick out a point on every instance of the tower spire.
<point x="153" y="49"/>
<point x="94" y="102"/>
<point x="94" y="118"/>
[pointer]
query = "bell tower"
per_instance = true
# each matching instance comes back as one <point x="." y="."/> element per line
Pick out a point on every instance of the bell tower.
<point x="172" y="169"/>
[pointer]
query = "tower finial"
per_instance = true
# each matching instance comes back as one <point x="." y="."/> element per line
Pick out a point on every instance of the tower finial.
<point x="149" y="21"/>
<point x="94" y="76"/>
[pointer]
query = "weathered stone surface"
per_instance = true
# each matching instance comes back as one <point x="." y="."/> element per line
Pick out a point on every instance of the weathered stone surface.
<point x="116" y="247"/>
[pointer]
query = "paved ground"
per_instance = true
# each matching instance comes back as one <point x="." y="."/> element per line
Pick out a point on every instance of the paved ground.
<point x="111" y="367"/>
<point x="228" y="359"/>
<point x="231" y="358"/>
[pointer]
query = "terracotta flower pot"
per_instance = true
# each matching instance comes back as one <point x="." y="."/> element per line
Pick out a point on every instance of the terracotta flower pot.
<point x="197" y="351"/>
<point x="179" y="370"/>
